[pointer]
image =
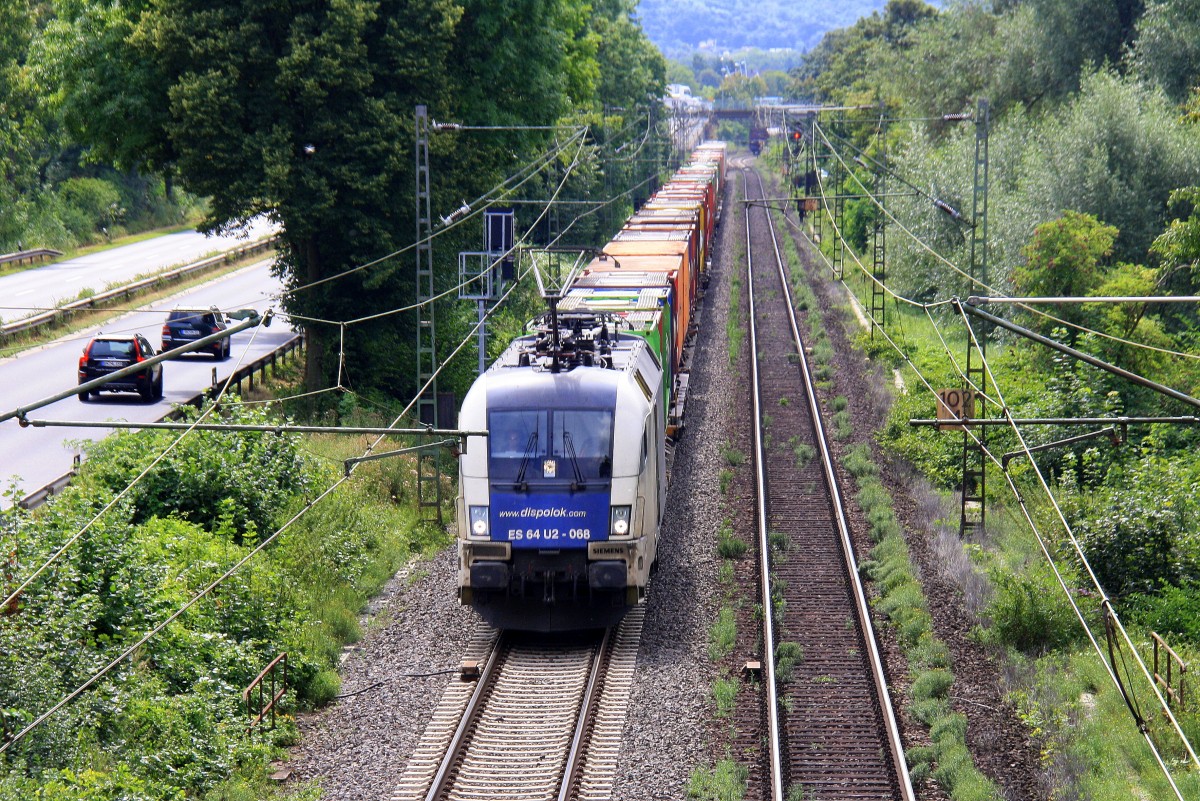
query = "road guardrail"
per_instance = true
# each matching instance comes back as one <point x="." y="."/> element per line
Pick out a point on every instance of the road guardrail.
<point x="58" y="315"/>
<point x="246" y="373"/>
<point x="31" y="256"/>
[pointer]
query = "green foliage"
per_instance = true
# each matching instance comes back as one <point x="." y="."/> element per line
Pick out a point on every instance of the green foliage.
<point x="242" y="479"/>
<point x="843" y="427"/>
<point x="730" y="546"/>
<point x="723" y="636"/>
<point x="1028" y="611"/>
<point x="1065" y="255"/>
<point x="170" y="723"/>
<point x="1166" y="50"/>
<point x="1170" y="611"/>
<point x="732" y="455"/>
<point x="787" y="656"/>
<point x="1140" y="531"/>
<point x="932" y="684"/>
<point x="726" y="781"/>
<point x="859" y="462"/>
<point x="725" y="694"/>
<point x="733" y="131"/>
<point x="803" y="452"/>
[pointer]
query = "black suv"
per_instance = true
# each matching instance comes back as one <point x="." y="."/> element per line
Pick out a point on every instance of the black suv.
<point x="188" y="325"/>
<point x="107" y="354"/>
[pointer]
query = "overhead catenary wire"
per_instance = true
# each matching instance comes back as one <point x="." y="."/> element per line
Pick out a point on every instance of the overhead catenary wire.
<point x="1032" y="309"/>
<point x="104" y="510"/>
<point x="543" y="161"/>
<point x="597" y="207"/>
<point x="1041" y="540"/>
<point x="467" y="339"/>
<point x="1077" y="547"/>
<point x="95" y="677"/>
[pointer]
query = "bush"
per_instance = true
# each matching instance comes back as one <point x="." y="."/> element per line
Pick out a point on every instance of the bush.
<point x="1028" y="611"/>
<point x="89" y="204"/>
<point x="1171" y="611"/>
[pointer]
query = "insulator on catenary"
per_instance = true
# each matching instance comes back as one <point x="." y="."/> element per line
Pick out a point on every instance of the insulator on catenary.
<point x="946" y="207"/>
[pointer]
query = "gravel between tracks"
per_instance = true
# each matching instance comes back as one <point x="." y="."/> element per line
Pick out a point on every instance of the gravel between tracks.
<point x="357" y="747"/>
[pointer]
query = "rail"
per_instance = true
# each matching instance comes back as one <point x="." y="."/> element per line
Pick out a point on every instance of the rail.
<point x="245" y="373"/>
<point x="840" y="524"/>
<point x="56" y="316"/>
<point x="36" y="254"/>
<point x="774" y="725"/>
<point x="268" y="673"/>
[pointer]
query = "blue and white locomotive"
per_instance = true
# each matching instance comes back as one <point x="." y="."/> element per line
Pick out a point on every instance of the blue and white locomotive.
<point x="559" y="506"/>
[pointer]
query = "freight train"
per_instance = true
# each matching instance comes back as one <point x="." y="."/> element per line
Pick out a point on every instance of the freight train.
<point x="560" y="505"/>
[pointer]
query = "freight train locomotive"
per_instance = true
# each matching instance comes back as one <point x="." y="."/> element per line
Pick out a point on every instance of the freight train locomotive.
<point x="559" y="506"/>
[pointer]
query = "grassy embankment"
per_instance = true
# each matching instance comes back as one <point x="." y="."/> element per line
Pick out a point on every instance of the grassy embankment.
<point x="168" y="721"/>
<point x="1056" y="679"/>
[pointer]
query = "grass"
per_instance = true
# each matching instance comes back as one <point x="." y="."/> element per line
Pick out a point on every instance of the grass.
<point x="803" y="452"/>
<point x="725" y="781"/>
<point x="732" y="456"/>
<point x="734" y="330"/>
<point x="724" y="692"/>
<point x="787" y="656"/>
<point x="723" y="635"/>
<point x="902" y="601"/>
<point x="729" y="546"/>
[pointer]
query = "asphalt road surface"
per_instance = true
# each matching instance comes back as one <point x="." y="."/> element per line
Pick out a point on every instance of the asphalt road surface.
<point x="33" y="457"/>
<point x="23" y="293"/>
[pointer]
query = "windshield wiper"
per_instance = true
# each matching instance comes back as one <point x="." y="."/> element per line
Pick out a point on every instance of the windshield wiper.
<point x="521" y="485"/>
<point x="570" y="447"/>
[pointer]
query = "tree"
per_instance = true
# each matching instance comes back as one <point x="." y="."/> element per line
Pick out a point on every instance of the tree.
<point x="302" y="110"/>
<point x="631" y="69"/>
<point x="1065" y="257"/>
<point x="741" y="88"/>
<point x="21" y="127"/>
<point x="109" y="98"/>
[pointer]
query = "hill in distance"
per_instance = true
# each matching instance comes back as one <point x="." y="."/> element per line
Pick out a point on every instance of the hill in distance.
<point x="680" y="27"/>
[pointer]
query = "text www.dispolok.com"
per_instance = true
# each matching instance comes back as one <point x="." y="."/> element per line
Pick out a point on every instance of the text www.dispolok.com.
<point x="538" y="514"/>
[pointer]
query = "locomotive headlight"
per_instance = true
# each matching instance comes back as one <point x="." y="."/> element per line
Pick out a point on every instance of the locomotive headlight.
<point x="619" y="521"/>
<point x="479" y="521"/>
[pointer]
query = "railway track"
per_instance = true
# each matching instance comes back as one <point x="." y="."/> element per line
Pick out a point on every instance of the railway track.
<point x="542" y="720"/>
<point x="832" y="731"/>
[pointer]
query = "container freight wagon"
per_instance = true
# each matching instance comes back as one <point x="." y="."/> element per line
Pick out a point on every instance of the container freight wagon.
<point x="561" y="503"/>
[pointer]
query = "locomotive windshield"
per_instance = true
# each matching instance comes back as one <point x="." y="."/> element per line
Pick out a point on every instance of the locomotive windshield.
<point x="550" y="445"/>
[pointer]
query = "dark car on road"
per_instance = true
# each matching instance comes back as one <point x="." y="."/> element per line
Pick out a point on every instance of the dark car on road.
<point x="106" y="354"/>
<point x="188" y="325"/>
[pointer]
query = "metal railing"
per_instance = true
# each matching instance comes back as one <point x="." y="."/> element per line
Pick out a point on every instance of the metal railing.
<point x="258" y="367"/>
<point x="62" y="313"/>
<point x="267" y="675"/>
<point x="1172" y="668"/>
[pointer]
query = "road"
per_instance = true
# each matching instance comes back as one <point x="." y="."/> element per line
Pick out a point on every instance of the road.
<point x="43" y="287"/>
<point x="33" y="457"/>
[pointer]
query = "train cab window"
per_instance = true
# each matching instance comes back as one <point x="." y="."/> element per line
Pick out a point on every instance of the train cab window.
<point x="513" y="435"/>
<point x="523" y="442"/>
<point x="584" y="436"/>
